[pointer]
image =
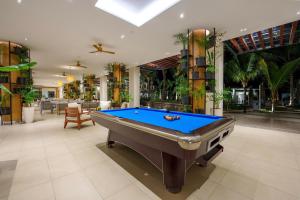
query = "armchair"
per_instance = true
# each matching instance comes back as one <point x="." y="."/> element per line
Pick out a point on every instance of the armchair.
<point x="73" y="115"/>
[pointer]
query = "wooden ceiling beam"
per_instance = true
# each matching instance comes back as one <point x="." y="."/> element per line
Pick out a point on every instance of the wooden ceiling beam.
<point x="252" y="41"/>
<point x="281" y="35"/>
<point x="242" y="41"/>
<point x="261" y="40"/>
<point x="293" y="32"/>
<point x="236" y="45"/>
<point x="271" y="37"/>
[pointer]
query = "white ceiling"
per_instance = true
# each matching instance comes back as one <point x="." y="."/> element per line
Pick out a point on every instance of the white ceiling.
<point x="60" y="32"/>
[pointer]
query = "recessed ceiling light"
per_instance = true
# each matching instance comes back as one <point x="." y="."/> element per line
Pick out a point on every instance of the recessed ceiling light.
<point x="243" y="29"/>
<point x="122" y="36"/>
<point x="181" y="15"/>
<point x="298" y="13"/>
<point x="19" y="1"/>
<point x="135" y="13"/>
<point x="26" y="39"/>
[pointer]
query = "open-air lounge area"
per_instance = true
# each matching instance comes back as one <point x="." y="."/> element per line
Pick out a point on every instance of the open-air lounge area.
<point x="149" y="100"/>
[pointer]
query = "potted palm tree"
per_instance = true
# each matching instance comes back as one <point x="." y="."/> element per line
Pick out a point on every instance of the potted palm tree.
<point x="28" y="95"/>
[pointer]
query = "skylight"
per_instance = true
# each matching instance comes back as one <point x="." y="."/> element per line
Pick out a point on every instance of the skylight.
<point x="136" y="12"/>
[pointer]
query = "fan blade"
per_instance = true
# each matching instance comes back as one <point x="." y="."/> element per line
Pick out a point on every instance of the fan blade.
<point x="94" y="45"/>
<point x="82" y="66"/>
<point x="108" y="52"/>
<point x="94" y="51"/>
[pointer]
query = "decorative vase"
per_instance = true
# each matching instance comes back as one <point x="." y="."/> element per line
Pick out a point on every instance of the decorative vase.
<point x="28" y="114"/>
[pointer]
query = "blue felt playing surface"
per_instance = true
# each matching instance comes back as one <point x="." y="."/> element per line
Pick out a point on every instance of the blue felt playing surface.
<point x="187" y="123"/>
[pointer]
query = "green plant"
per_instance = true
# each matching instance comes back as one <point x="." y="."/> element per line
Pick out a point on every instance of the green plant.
<point x="181" y="38"/>
<point x="216" y="97"/>
<point x="210" y="64"/>
<point x="28" y="94"/>
<point x="182" y="86"/>
<point x="243" y="69"/>
<point x="276" y="76"/>
<point x="125" y="97"/>
<point x="4" y="95"/>
<point x="19" y="67"/>
<point x="227" y="97"/>
<point x="199" y="93"/>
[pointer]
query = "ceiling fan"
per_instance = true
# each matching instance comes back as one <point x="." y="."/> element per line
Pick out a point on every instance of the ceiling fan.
<point x="99" y="49"/>
<point x="78" y="65"/>
<point x="63" y="75"/>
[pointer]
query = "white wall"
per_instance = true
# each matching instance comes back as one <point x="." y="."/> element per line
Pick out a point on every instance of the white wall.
<point x="103" y="88"/>
<point x="219" y="75"/>
<point x="134" y="86"/>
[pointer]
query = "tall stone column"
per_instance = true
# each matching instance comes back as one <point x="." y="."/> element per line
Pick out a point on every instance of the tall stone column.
<point x="134" y="86"/>
<point x="103" y="88"/>
<point x="219" y="73"/>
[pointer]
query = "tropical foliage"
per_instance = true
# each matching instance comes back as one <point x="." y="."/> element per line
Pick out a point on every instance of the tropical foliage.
<point x="276" y="76"/>
<point x="28" y="94"/>
<point x="242" y="70"/>
<point x="19" y="67"/>
<point x="181" y="38"/>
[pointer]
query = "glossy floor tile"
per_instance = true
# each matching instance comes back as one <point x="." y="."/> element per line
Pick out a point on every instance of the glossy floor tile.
<point x="64" y="164"/>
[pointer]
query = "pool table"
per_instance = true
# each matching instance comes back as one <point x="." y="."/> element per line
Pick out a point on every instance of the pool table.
<point x="172" y="146"/>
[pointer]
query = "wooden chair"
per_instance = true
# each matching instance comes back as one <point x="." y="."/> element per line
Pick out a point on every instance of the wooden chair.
<point x="73" y="115"/>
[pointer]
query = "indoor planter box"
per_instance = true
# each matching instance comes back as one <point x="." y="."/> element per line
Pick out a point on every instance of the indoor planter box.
<point x="201" y="111"/>
<point x="5" y="111"/>
<point x="184" y="52"/>
<point x="22" y="80"/>
<point x="184" y="65"/>
<point x="209" y="75"/>
<point x="195" y="75"/>
<point x="200" y="61"/>
<point x="211" y="41"/>
<point x="185" y="100"/>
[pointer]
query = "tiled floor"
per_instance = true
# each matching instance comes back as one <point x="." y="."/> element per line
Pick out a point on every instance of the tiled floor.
<point x="64" y="164"/>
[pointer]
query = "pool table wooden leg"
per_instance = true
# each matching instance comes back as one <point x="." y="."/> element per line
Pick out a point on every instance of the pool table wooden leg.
<point x="173" y="172"/>
<point x="109" y="142"/>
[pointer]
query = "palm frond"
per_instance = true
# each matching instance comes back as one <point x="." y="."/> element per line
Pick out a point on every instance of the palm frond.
<point x="3" y="88"/>
<point x="286" y="70"/>
<point x="19" y="67"/>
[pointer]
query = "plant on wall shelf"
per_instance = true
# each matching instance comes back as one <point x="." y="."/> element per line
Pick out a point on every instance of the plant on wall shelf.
<point x="183" y="63"/>
<point x="4" y="107"/>
<point x="199" y="93"/>
<point x="182" y="89"/>
<point x="216" y="97"/>
<point x="183" y="39"/>
<point x="125" y="97"/>
<point x="210" y="67"/>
